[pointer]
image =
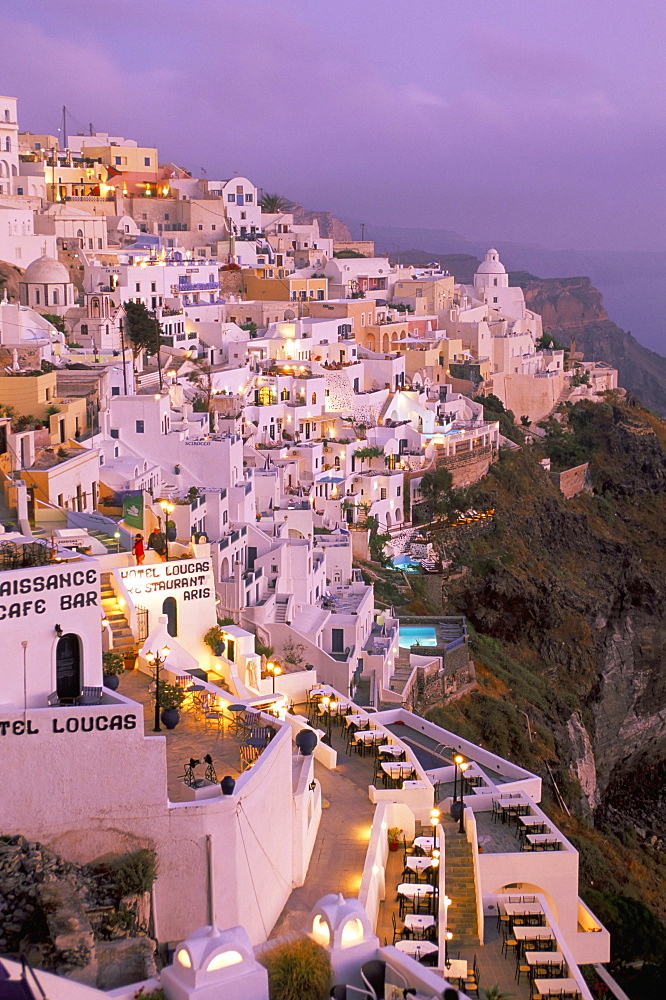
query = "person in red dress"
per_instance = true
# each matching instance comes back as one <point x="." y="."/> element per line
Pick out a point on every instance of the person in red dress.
<point x="138" y="549"/>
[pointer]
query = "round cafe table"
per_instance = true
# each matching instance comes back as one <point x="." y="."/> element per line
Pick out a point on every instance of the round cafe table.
<point x="416" y="948"/>
<point x="236" y="711"/>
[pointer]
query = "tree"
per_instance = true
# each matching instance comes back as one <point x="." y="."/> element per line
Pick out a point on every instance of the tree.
<point x="142" y="329"/>
<point x="202" y="378"/>
<point x="370" y="452"/>
<point x="272" y="204"/>
<point x="435" y="488"/>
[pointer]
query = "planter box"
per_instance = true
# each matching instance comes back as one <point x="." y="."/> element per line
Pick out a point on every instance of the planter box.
<point x="202" y="789"/>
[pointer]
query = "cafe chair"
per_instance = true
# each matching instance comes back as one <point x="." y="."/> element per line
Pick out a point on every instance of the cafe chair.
<point x="373" y="974"/>
<point x="522" y="969"/>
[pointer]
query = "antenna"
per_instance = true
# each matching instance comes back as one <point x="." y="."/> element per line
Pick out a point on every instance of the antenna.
<point x="362" y="231"/>
<point x="64" y="127"/>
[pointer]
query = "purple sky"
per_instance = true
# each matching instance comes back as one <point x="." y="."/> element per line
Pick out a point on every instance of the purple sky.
<point x="524" y="120"/>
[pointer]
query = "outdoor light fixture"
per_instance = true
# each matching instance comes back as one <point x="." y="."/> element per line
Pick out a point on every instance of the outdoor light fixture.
<point x="116" y="535"/>
<point x="58" y="631"/>
<point x="434" y="821"/>
<point x="156" y="660"/>
<point x="463" y="768"/>
<point x="168" y="509"/>
<point x="105" y="622"/>
<point x="457" y="761"/>
<point x="274" y="669"/>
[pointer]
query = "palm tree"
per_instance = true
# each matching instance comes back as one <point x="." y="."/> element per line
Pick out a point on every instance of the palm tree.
<point x="495" y="993"/>
<point x="272" y="204"/>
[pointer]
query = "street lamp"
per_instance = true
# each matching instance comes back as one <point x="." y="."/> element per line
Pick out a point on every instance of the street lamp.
<point x="274" y="669"/>
<point x="116" y="535"/>
<point x="434" y="820"/>
<point x="156" y="660"/>
<point x="463" y="768"/>
<point x="167" y="508"/>
<point x="457" y="761"/>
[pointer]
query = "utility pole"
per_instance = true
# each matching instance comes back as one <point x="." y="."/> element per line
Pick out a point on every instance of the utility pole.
<point x="362" y="231"/>
<point x="65" y="143"/>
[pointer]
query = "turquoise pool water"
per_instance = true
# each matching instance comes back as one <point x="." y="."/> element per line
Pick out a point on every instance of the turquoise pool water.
<point x="424" y="635"/>
<point x="406" y="563"/>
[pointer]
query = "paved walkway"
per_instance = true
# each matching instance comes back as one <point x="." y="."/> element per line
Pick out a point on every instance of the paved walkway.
<point x="342" y="841"/>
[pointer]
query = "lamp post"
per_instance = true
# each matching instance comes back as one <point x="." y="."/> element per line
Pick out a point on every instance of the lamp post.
<point x="156" y="660"/>
<point x="167" y="508"/>
<point x="116" y="535"/>
<point x="463" y="768"/>
<point x="434" y="820"/>
<point x="457" y="761"/>
<point x="274" y="669"/>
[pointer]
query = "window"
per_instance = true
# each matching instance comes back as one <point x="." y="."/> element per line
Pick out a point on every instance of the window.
<point x="137" y="286"/>
<point x="213" y="228"/>
<point x="146" y="163"/>
<point x="337" y="640"/>
<point x="231" y="198"/>
<point x="139" y="426"/>
<point x="398" y="491"/>
<point x="494" y="298"/>
<point x="199" y="226"/>
<point x="115" y="390"/>
<point x="153" y="286"/>
<point x="243" y="215"/>
<point x="118" y="160"/>
<point x="249" y="198"/>
<point x="55" y="296"/>
<point x="114" y="432"/>
<point x="494" y="281"/>
<point x="99" y="242"/>
<point x="37" y="296"/>
<point x="167" y="216"/>
<point x="382" y="495"/>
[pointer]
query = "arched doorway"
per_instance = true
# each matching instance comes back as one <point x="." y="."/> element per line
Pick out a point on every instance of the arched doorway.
<point x="68" y="667"/>
<point x="170" y="609"/>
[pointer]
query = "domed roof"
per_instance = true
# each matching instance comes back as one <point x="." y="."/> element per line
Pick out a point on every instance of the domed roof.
<point x="491" y="263"/>
<point x="46" y="271"/>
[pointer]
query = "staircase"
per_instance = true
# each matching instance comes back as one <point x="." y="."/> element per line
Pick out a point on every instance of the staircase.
<point x="120" y="630"/>
<point x="459" y="875"/>
<point x="281" y="609"/>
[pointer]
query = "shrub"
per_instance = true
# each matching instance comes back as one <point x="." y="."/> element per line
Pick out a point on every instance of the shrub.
<point x="298" y="970"/>
<point x="171" y="696"/>
<point x="112" y="663"/>
<point x="135" y="873"/>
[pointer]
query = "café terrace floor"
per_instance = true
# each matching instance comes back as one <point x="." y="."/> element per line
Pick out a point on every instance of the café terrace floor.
<point x="189" y="739"/>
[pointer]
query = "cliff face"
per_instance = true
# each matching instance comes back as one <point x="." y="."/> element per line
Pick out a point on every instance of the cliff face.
<point x="329" y="227"/>
<point x="574" y="591"/>
<point x="572" y="310"/>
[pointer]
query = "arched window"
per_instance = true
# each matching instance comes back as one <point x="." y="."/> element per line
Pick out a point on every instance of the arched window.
<point x="265" y="396"/>
<point x="37" y="296"/>
<point x="314" y="398"/>
<point x="55" y="296"/>
<point x="68" y="667"/>
<point x="94" y="307"/>
<point x="8" y="145"/>
<point x="170" y="609"/>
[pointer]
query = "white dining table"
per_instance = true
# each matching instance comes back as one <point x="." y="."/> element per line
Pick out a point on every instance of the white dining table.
<point x="533" y="934"/>
<point x="418" y="864"/>
<point x="398" y="768"/>
<point x="416" y="948"/>
<point x="411" y="889"/>
<point x="369" y="736"/>
<point x="550" y="987"/>
<point x="419" y="921"/>
<point x="425" y="843"/>
<point x="413" y="784"/>
<point x="456" y="969"/>
<point x="544" y="957"/>
<point x="544" y="838"/>
<point x="356" y="720"/>
<point x="522" y="909"/>
<point x="391" y="748"/>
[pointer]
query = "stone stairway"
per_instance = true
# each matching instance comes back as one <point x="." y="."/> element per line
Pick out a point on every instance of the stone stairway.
<point x="459" y="875"/>
<point x="281" y="609"/>
<point x="120" y="630"/>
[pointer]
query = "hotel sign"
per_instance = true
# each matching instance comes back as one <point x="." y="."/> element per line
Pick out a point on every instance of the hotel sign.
<point x="99" y="723"/>
<point x="190" y="578"/>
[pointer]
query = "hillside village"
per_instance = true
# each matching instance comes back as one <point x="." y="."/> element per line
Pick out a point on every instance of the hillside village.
<point x="214" y="422"/>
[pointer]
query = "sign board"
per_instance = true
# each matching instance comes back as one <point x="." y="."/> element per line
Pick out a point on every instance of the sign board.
<point x="133" y="510"/>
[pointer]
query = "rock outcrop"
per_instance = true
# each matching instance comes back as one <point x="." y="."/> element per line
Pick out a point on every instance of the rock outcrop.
<point x="330" y="227"/>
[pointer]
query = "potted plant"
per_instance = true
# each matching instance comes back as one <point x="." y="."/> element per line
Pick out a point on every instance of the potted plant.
<point x="170" y="701"/>
<point x="395" y="837"/>
<point x="129" y="658"/>
<point x="112" y="665"/>
<point x="214" y="638"/>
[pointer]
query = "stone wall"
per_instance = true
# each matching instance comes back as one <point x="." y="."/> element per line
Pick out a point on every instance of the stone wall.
<point x="571" y="482"/>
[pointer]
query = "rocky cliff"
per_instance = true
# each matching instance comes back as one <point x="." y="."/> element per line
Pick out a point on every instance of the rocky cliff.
<point x="568" y="601"/>
<point x="572" y="310"/>
<point x="330" y="227"/>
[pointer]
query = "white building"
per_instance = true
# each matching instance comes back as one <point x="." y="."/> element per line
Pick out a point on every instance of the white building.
<point x="9" y="146"/>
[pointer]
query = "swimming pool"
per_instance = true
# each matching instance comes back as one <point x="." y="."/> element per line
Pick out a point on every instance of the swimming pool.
<point x="406" y="564"/>
<point x="423" y="635"/>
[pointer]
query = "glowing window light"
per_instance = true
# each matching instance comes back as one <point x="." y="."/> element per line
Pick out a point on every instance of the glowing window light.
<point x="321" y="932"/>
<point x="352" y="933"/>
<point x="223" y="960"/>
<point x="184" y="958"/>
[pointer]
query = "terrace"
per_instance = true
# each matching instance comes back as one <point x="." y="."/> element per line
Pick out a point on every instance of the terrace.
<point x="195" y="735"/>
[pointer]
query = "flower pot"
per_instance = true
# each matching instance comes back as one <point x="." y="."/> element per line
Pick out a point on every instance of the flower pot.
<point x="111" y="681"/>
<point x="170" y="717"/>
<point x="455" y="809"/>
<point x="130" y="662"/>
<point x="219" y="648"/>
<point x="394" y="845"/>
<point x="306" y="741"/>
